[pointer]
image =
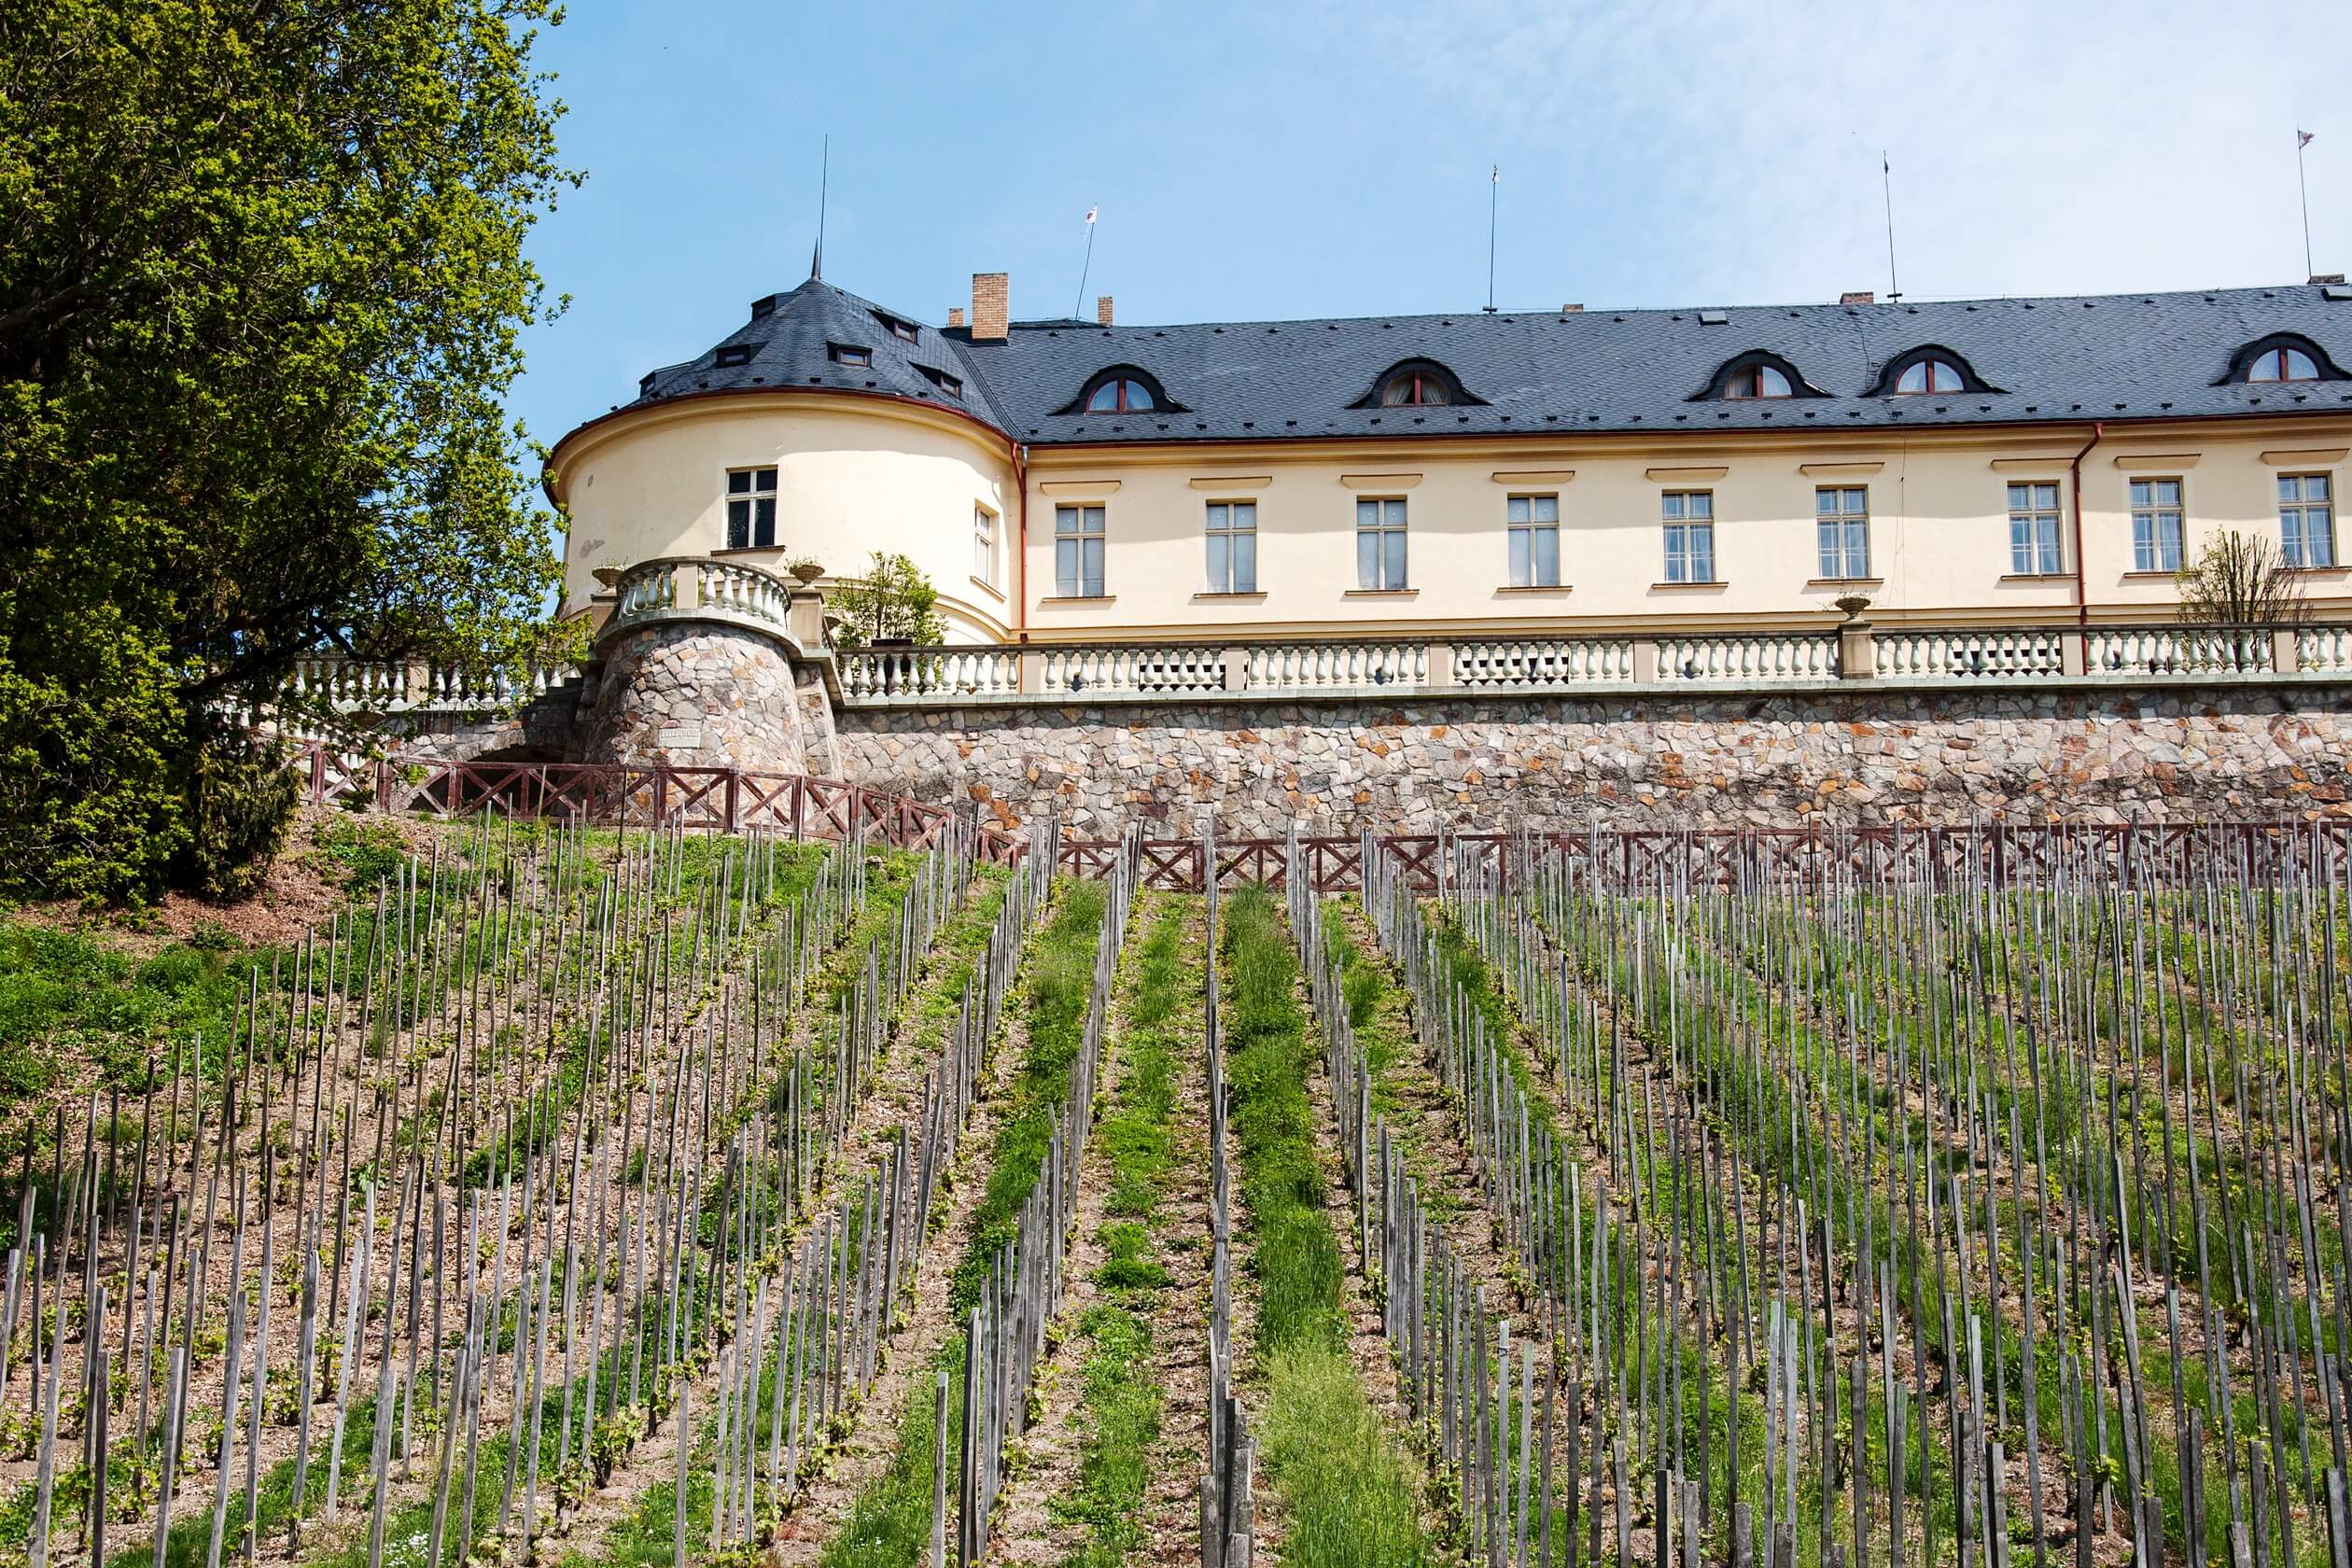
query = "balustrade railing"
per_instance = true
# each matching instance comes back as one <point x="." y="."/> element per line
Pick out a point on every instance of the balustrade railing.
<point x="340" y="685"/>
<point x="1790" y="656"/>
<point x="2323" y="649"/>
<point x="2180" y="649"/>
<point x="1143" y="668"/>
<point x="1543" y="664"/>
<point x="882" y="674"/>
<point x="1313" y="667"/>
<point x="1970" y="653"/>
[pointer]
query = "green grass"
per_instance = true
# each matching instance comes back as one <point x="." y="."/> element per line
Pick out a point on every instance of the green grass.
<point x="1350" y="1492"/>
<point x="1122" y="1402"/>
<point x="890" y="1524"/>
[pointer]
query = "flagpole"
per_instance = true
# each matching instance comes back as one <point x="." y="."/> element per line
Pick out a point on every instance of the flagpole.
<point x="1494" y="191"/>
<point x="1078" y="309"/>
<point x="2302" y="140"/>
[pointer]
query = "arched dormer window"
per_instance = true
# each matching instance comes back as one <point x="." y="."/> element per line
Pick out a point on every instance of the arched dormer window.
<point x="1925" y="371"/>
<point x="1757" y="373"/>
<point x="1416" y="384"/>
<point x="1121" y="390"/>
<point x="2282" y="357"/>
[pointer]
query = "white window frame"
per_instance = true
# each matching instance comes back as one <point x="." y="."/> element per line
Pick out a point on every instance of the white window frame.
<point x="984" y="545"/>
<point x="2037" y="546"/>
<point x="2149" y="518"/>
<point x="1528" y="521"/>
<point x="2306" y="516"/>
<point x="1383" y="519"/>
<point x="1841" y="533"/>
<point x="753" y="503"/>
<point x="1227" y="527"/>
<point x="1077" y="526"/>
<point x="1687" y="518"/>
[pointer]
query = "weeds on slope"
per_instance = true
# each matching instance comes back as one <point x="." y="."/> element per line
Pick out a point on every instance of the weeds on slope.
<point x="1349" y="1491"/>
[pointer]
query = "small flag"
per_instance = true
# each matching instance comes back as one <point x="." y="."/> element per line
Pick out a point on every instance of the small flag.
<point x="1090" y="217"/>
<point x="2303" y="139"/>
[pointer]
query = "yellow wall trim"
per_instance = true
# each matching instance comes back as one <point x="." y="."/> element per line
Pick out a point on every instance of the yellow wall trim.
<point x="1683" y="476"/>
<point x="1533" y="476"/>
<point x="1380" y="480"/>
<point x="1232" y="482"/>
<point x="2313" y="456"/>
<point x="2148" y="460"/>
<point x="2052" y="464"/>
<point x="1078" y="486"/>
<point x="1838" y="471"/>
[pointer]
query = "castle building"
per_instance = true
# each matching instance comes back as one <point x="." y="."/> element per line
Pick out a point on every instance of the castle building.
<point x="2018" y="461"/>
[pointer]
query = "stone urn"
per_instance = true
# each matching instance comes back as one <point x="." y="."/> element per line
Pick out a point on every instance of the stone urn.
<point x="1853" y="604"/>
<point x="805" y="572"/>
<point x="609" y="577"/>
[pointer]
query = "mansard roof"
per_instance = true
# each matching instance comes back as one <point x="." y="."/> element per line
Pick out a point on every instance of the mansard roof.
<point x="2062" y="360"/>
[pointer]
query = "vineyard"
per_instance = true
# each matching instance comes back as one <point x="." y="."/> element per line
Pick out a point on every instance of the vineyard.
<point x="578" y="1197"/>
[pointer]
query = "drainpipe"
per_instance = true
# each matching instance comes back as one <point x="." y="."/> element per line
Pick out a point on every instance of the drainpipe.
<point x="2082" y="597"/>
<point x="1020" y="484"/>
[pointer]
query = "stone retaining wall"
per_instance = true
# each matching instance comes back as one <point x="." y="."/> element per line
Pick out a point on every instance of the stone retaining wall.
<point x="1866" y="757"/>
<point x="696" y="695"/>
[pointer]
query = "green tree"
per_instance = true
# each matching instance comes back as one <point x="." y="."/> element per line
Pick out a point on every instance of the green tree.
<point x="261" y="278"/>
<point x="893" y="601"/>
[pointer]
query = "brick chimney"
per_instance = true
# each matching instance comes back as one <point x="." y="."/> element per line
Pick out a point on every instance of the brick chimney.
<point x="1858" y="297"/>
<point x="1570" y="309"/>
<point x="991" y="306"/>
<point x="955" y="316"/>
<point x="1102" y="310"/>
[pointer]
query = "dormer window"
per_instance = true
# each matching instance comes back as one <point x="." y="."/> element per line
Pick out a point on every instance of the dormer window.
<point x="852" y="355"/>
<point x="1121" y="390"/>
<point x="2282" y="357"/>
<point x="1121" y="395"/>
<point x="1757" y="381"/>
<point x="1927" y="371"/>
<point x="952" y="386"/>
<point x="1416" y="384"/>
<point x="2282" y="364"/>
<point x="1928" y="375"/>
<point x="735" y="354"/>
<point x="905" y="332"/>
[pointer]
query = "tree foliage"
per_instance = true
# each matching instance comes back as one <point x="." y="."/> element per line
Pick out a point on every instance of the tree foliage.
<point x="261" y="278"/>
<point x="2240" y="579"/>
<point x="893" y="602"/>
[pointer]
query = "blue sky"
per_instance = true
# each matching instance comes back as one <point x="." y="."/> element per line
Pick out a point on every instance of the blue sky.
<point x="1269" y="160"/>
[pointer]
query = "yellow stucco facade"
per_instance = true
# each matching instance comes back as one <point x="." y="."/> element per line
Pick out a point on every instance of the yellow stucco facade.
<point x="855" y="475"/>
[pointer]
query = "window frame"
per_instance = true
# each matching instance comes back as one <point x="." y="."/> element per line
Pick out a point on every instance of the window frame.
<point x="2148" y="553"/>
<point x="1927" y="365"/>
<point x="857" y="356"/>
<point x="1222" y="525"/>
<point x="1070" y="543"/>
<point x="1120" y="401"/>
<point x="2277" y="352"/>
<point x="2294" y="547"/>
<point x="1748" y="383"/>
<point x="749" y="497"/>
<point x="1422" y="382"/>
<point x="1836" y="531"/>
<point x="1681" y="529"/>
<point x="1384" y="526"/>
<point x="986" y="552"/>
<point x="1523" y="567"/>
<point x="2026" y="551"/>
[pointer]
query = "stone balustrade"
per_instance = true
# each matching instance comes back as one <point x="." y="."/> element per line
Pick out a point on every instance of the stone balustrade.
<point x="1854" y="652"/>
<point x="332" y="684"/>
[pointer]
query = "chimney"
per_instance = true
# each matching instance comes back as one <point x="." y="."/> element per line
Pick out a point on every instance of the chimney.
<point x="991" y="306"/>
<point x="2324" y="279"/>
<point x="1102" y="310"/>
<point x="955" y="316"/>
<point x="1858" y="297"/>
<point x="1570" y="309"/>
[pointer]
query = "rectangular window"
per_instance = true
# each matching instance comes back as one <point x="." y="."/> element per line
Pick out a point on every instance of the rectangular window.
<point x="1843" y="524"/>
<point x="1534" y="529"/>
<point x="984" y="545"/>
<point x="1232" y="547"/>
<point x="2156" y="525"/>
<point x="1380" y="544"/>
<point x="2306" y="520"/>
<point x="2032" y="514"/>
<point x="1078" y="551"/>
<point x="1689" y="518"/>
<point x="750" y="509"/>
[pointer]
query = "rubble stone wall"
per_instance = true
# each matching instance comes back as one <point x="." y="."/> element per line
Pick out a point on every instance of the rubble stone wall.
<point x="1835" y="758"/>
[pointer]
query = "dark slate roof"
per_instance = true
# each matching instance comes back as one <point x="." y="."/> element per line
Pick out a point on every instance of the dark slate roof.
<point x="2066" y="360"/>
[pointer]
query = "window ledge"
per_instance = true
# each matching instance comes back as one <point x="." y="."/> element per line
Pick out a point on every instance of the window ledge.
<point x="989" y="588"/>
<point x="1846" y="582"/>
<point x="2037" y="577"/>
<point x="2338" y="570"/>
<point x="735" y="549"/>
<point x="1078" y="599"/>
<point x="1537" y="590"/>
<point x="1713" y="585"/>
<point x="1379" y="593"/>
<point x="1254" y="596"/>
<point x="2149" y="576"/>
